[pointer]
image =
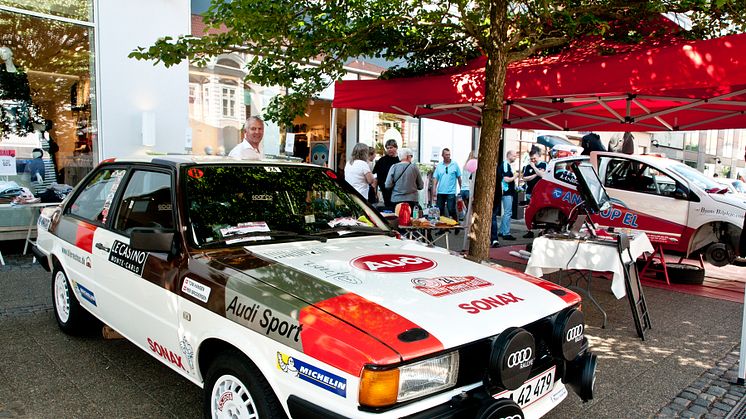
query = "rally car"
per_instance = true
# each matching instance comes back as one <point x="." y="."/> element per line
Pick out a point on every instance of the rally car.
<point x="281" y="292"/>
<point x="677" y="206"/>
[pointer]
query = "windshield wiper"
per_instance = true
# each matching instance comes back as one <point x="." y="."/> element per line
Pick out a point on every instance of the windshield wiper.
<point x="273" y="234"/>
<point x="356" y="229"/>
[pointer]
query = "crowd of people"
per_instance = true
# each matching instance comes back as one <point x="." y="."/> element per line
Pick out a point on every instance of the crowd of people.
<point x="395" y="179"/>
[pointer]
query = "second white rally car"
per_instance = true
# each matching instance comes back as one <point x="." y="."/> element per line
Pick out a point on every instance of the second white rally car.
<point x="281" y="292"/>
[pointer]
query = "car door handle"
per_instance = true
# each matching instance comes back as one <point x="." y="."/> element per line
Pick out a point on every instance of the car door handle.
<point x="102" y="247"/>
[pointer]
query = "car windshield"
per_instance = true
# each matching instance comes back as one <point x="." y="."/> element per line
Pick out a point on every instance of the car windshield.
<point x="695" y="177"/>
<point x="258" y="204"/>
<point x="739" y="186"/>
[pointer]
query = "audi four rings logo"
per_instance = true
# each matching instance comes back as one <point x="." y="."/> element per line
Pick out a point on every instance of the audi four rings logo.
<point x="512" y="417"/>
<point x="519" y="357"/>
<point x="575" y="333"/>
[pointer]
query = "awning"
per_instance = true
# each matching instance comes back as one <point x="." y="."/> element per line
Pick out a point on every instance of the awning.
<point x="683" y="85"/>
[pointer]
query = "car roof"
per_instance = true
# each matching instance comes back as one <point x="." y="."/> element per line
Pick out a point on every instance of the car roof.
<point x="657" y="160"/>
<point x="190" y="159"/>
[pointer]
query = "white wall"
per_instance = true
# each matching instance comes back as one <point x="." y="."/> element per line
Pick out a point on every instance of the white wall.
<point x="127" y="87"/>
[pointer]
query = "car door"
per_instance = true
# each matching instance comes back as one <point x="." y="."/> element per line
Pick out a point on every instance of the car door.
<point x="82" y="216"/>
<point x="140" y="282"/>
<point x="647" y="198"/>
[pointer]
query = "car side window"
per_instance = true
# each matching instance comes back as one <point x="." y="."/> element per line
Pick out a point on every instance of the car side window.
<point x="634" y="176"/>
<point x="94" y="200"/>
<point x="563" y="172"/>
<point x="146" y="202"/>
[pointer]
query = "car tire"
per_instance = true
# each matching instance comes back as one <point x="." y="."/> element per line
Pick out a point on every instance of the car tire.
<point x="683" y="273"/>
<point x="235" y="388"/>
<point x="71" y="317"/>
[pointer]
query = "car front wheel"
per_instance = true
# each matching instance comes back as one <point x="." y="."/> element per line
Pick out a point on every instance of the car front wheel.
<point x="71" y="317"/>
<point x="234" y="388"/>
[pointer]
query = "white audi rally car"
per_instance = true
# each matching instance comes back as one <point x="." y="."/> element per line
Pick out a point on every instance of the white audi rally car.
<point x="276" y="288"/>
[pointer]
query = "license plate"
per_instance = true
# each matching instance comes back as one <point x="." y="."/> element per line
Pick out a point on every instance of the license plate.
<point x="532" y="390"/>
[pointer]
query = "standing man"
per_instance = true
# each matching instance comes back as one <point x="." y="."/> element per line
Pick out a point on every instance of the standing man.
<point x="251" y="146"/>
<point x="509" y="194"/>
<point x="532" y="173"/>
<point x="446" y="174"/>
<point x="381" y="170"/>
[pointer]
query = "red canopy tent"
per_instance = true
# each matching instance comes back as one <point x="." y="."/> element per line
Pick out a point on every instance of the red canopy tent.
<point x="682" y="85"/>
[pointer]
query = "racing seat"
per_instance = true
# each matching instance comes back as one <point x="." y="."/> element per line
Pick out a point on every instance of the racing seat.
<point x="633" y="287"/>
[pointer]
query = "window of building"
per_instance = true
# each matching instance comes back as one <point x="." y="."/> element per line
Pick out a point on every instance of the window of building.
<point x="229" y="102"/>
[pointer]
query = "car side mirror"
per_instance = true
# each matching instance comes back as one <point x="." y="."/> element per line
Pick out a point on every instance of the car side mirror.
<point x="152" y="240"/>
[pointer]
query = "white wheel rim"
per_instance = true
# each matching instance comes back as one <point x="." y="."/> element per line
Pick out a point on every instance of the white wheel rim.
<point x="62" y="297"/>
<point x="231" y="399"/>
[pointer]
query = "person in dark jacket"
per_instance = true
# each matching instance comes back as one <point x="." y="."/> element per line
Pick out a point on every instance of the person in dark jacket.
<point x="591" y="142"/>
<point x="381" y="170"/>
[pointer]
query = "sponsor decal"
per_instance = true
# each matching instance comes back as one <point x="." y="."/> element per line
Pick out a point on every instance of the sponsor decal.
<point x="312" y="374"/>
<point x="166" y="354"/>
<point x="272" y="169"/>
<point x="195" y="173"/>
<point x="195" y="289"/>
<point x="612" y="214"/>
<point x="83" y="260"/>
<point x="224" y="398"/>
<point x="521" y="358"/>
<point x="447" y="285"/>
<point x="186" y="349"/>
<point x="277" y="326"/>
<point x="292" y="253"/>
<point x="87" y="294"/>
<point x="128" y="258"/>
<point x="393" y="263"/>
<point x="566" y="196"/>
<point x="43" y="223"/>
<point x="331" y="274"/>
<point x="559" y="395"/>
<point x="575" y="334"/>
<point x="488" y="303"/>
<point x="717" y="212"/>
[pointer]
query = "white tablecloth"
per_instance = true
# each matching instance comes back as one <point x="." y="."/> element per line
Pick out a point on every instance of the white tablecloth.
<point x="552" y="254"/>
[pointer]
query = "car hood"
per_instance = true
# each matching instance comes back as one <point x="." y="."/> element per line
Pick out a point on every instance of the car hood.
<point x="737" y="200"/>
<point x="384" y="287"/>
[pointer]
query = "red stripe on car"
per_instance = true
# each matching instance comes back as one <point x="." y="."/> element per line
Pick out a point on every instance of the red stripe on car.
<point x="340" y="345"/>
<point x="84" y="236"/>
<point x="380" y="322"/>
<point x="569" y="297"/>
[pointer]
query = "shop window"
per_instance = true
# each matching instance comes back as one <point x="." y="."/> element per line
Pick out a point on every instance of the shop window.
<point x="79" y="10"/>
<point x="46" y="91"/>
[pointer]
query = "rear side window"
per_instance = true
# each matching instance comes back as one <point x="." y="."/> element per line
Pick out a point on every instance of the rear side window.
<point x="94" y="201"/>
<point x="146" y="202"/>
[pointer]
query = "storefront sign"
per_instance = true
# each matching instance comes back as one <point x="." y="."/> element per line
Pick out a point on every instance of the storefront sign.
<point x="7" y="162"/>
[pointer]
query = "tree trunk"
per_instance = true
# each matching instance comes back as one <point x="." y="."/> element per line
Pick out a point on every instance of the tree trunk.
<point x="492" y="122"/>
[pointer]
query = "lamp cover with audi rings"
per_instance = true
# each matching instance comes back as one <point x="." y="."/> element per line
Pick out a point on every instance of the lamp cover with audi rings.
<point x="568" y="334"/>
<point x="512" y="357"/>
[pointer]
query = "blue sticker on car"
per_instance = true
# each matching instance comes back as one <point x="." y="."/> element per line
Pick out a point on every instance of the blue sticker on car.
<point x="312" y="374"/>
<point x="87" y="294"/>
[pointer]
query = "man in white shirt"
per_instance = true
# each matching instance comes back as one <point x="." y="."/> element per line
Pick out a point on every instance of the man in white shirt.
<point x="251" y="146"/>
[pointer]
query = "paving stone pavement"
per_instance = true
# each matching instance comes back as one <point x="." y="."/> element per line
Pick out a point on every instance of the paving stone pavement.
<point x="714" y="394"/>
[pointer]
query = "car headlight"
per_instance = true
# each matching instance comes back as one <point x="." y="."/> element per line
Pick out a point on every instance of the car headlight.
<point x="380" y="388"/>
